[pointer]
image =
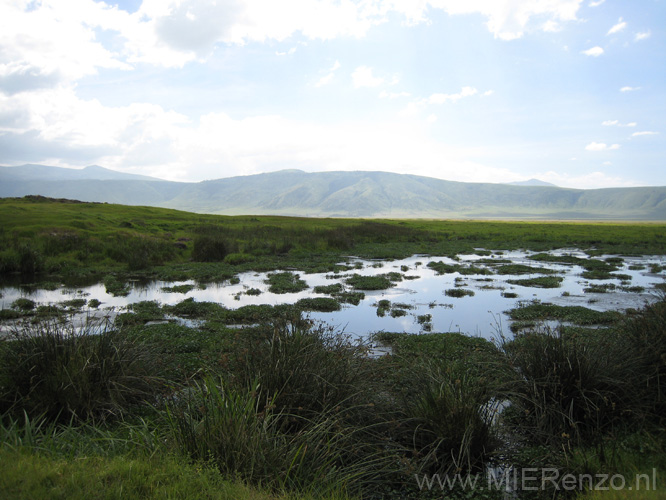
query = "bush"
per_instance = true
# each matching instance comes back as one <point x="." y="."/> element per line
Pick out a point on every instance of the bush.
<point x="52" y="369"/>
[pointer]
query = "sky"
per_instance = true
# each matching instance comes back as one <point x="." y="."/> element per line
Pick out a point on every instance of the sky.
<point x="571" y="92"/>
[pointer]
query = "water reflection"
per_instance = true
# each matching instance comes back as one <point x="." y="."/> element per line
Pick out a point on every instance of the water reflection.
<point x="481" y="314"/>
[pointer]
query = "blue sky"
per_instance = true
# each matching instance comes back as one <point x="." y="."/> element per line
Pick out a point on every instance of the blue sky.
<point x="568" y="91"/>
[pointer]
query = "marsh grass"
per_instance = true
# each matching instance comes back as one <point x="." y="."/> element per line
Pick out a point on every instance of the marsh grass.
<point x="285" y="282"/>
<point x="321" y="304"/>
<point x="539" y="282"/>
<point x="53" y="369"/>
<point x="459" y="292"/>
<point x="579" y="315"/>
<point x="380" y="282"/>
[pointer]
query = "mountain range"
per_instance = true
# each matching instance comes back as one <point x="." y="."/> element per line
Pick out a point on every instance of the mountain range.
<point x="339" y="194"/>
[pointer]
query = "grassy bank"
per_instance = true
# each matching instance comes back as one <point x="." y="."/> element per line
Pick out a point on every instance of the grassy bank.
<point x="43" y="236"/>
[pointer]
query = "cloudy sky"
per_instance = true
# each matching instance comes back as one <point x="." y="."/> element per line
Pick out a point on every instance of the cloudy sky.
<point x="568" y="91"/>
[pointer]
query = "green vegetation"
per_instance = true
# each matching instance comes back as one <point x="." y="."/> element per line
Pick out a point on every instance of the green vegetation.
<point x="228" y="405"/>
<point x="322" y="304"/>
<point x="442" y="268"/>
<point x="178" y="288"/>
<point x="285" y="282"/>
<point x="261" y="402"/>
<point x="380" y="282"/>
<point x="539" y="282"/>
<point x="459" y="292"/>
<point x="55" y="237"/>
<point x="529" y="313"/>
<point x="522" y="269"/>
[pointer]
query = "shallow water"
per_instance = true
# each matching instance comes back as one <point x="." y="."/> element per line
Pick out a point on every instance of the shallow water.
<point x="481" y="314"/>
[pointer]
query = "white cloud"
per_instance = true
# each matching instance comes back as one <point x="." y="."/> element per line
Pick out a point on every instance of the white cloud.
<point x="325" y="80"/>
<point x="646" y="132"/>
<point x="444" y="98"/>
<point x="393" y="95"/>
<point x="617" y="27"/>
<point x="629" y="89"/>
<point x="363" y="77"/>
<point x="642" y="35"/>
<point x="552" y="26"/>
<point x="616" y="123"/>
<point x="507" y="19"/>
<point x="148" y="139"/>
<point x="593" y="180"/>
<point x="601" y="146"/>
<point x="289" y="52"/>
<point x="52" y="41"/>
<point x="594" y="51"/>
<point x="597" y="3"/>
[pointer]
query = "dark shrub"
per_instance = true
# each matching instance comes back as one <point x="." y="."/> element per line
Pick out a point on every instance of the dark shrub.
<point x="209" y="248"/>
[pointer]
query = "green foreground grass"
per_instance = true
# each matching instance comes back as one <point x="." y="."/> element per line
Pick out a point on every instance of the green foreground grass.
<point x="29" y="475"/>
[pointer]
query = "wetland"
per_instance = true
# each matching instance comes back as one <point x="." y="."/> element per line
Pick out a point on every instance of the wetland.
<point x="275" y="357"/>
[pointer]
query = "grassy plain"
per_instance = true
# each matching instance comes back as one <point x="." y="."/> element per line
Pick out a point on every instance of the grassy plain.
<point x="44" y="236"/>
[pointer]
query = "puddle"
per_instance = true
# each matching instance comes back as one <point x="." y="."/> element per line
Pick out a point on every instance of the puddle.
<point x="422" y="297"/>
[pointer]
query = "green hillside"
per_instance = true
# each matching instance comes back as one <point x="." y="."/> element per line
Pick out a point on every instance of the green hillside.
<point x="341" y="194"/>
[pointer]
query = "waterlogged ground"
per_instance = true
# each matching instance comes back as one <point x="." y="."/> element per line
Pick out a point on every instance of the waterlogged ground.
<point x="470" y="294"/>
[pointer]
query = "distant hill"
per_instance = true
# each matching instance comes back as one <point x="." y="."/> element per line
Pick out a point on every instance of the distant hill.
<point x="45" y="173"/>
<point x="339" y="194"/>
<point x="532" y="182"/>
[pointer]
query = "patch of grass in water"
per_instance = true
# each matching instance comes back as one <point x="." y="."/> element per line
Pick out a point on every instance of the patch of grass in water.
<point x="189" y="308"/>
<point x="353" y="298"/>
<point x="115" y="286"/>
<point x="603" y="288"/>
<point x="577" y="315"/>
<point x="285" y="282"/>
<point x="539" y="282"/>
<point x="423" y="318"/>
<point x="523" y="269"/>
<point x="320" y="304"/>
<point x="459" y="292"/>
<point x="383" y="306"/>
<point x="74" y="303"/>
<point x="328" y="289"/>
<point x="359" y="282"/>
<point x="23" y="304"/>
<point x="178" y="288"/>
<point x="466" y="270"/>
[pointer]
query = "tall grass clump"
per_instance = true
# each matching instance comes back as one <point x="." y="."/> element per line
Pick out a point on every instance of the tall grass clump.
<point x="569" y="388"/>
<point x="292" y="412"/>
<point x="645" y="337"/>
<point x="308" y="368"/>
<point x="449" y="418"/>
<point x="210" y="244"/>
<point x="61" y="372"/>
